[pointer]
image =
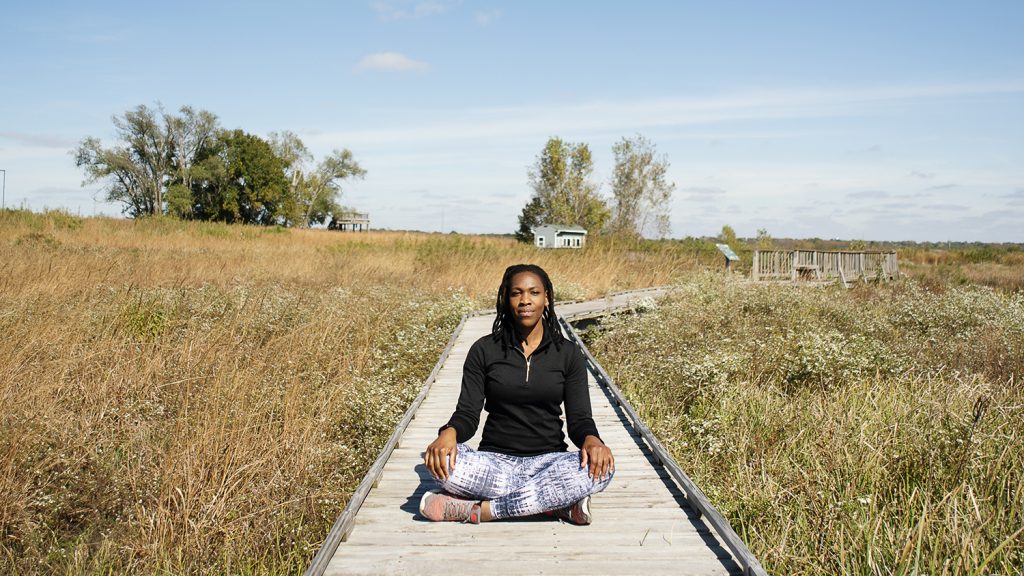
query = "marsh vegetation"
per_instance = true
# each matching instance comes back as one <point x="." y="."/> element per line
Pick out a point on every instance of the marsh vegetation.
<point x="185" y="397"/>
<point x="873" y="431"/>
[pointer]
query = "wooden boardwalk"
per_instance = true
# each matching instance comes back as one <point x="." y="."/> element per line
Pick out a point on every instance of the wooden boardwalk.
<point x="643" y="523"/>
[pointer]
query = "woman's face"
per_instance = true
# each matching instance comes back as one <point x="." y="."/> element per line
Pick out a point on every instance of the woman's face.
<point x="527" y="299"/>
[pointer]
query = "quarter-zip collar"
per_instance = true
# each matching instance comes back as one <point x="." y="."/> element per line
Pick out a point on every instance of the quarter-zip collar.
<point x="545" y="340"/>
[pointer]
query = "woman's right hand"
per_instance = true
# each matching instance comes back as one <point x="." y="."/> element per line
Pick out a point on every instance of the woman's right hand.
<point x="440" y="455"/>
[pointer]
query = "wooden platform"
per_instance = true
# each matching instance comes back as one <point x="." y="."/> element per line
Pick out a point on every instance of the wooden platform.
<point x="642" y="522"/>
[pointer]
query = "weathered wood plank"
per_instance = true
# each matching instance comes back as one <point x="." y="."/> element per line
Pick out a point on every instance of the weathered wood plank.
<point x="643" y="523"/>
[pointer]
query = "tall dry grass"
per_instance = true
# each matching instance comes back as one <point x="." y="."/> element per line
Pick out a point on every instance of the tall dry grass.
<point x="200" y="398"/>
<point x="998" y="266"/>
<point x="874" y="431"/>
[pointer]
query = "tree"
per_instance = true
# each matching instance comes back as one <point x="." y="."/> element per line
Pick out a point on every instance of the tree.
<point x="240" y="179"/>
<point x="316" y="193"/>
<point x="190" y="134"/>
<point x="531" y="217"/>
<point x="764" y="239"/>
<point x="295" y="156"/>
<point x="319" y="197"/>
<point x="137" y="172"/>
<point x="563" y="192"/>
<point x="727" y="236"/>
<point x="640" y="189"/>
<point x="187" y="166"/>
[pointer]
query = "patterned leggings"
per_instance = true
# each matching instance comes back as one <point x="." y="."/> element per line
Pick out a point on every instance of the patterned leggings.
<point x="521" y="485"/>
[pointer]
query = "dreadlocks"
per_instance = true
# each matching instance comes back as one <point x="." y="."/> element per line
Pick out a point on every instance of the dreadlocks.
<point x="504" y="328"/>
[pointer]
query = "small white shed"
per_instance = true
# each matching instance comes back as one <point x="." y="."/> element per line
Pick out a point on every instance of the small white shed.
<point x="559" y="236"/>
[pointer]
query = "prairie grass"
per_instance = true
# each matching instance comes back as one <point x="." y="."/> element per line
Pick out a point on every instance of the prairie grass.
<point x="191" y="398"/>
<point x="872" y="431"/>
<point x="1000" y="267"/>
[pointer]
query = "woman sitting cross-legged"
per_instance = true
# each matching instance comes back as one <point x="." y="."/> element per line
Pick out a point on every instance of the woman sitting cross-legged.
<point x="521" y="374"/>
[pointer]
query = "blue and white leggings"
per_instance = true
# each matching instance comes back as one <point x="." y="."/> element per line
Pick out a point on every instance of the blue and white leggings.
<point x="521" y="485"/>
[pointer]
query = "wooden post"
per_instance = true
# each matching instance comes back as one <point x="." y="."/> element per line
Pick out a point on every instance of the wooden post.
<point x="792" y="267"/>
<point x="754" y="270"/>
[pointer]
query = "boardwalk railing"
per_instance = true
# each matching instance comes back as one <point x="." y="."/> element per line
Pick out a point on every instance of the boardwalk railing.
<point x="343" y="525"/>
<point x="696" y="498"/>
<point x="694" y="495"/>
<point x="845" y="267"/>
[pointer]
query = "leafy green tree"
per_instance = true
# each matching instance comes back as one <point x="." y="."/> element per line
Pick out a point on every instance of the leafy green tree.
<point x="563" y="190"/>
<point x="764" y="240"/>
<point x="240" y="179"/>
<point x="190" y="134"/>
<point x="727" y="236"/>
<point x="317" y="191"/>
<point x="531" y="217"/>
<point x="319" y="196"/>
<point x="137" y="171"/>
<point x="641" y="191"/>
<point x="150" y="170"/>
<point x="296" y="157"/>
<point x="184" y="164"/>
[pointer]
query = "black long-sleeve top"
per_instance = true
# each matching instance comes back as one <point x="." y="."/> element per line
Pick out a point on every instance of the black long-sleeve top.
<point x="524" y="398"/>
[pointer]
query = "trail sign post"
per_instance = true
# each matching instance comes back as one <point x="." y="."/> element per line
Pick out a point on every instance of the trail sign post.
<point x="730" y="256"/>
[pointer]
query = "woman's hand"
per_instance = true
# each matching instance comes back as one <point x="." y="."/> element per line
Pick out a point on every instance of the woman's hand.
<point x="440" y="455"/>
<point x="599" y="456"/>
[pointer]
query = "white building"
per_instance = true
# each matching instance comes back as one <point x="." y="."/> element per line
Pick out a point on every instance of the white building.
<point x="559" y="236"/>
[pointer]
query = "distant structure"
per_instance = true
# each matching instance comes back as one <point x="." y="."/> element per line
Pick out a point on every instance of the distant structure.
<point x="354" y="221"/>
<point x="823" y="266"/>
<point x="559" y="236"/>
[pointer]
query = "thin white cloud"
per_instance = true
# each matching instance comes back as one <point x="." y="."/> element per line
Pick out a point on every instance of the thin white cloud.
<point x="873" y="149"/>
<point x="702" y="193"/>
<point x="391" y="10"/>
<point x="486" y="17"/>
<point x="868" y="194"/>
<point x="393" y="61"/>
<point x="40" y="140"/>
<point x="616" y="117"/>
<point x="1017" y="194"/>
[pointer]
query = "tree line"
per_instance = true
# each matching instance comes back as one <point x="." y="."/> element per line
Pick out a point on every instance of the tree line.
<point x="187" y="165"/>
<point x="564" y="191"/>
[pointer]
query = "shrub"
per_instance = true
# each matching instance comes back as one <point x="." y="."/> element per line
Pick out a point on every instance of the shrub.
<point x="876" y="430"/>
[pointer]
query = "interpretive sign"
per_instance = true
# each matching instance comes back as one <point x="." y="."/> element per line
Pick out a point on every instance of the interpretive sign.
<point x="729" y="254"/>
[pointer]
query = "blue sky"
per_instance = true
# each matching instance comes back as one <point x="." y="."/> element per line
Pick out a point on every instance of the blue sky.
<point x="858" y="120"/>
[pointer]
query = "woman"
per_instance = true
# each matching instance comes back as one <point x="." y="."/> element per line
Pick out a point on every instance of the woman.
<point x="522" y="373"/>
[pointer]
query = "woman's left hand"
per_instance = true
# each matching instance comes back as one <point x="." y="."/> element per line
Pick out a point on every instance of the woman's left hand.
<point x="598" y="456"/>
